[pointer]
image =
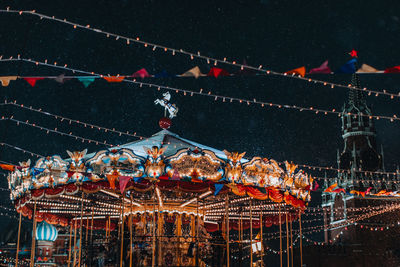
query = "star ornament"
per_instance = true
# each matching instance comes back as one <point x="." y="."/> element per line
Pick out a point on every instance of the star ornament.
<point x="353" y="53"/>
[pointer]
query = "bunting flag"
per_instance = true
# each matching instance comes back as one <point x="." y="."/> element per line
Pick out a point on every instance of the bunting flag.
<point x="395" y="69"/>
<point x="61" y="78"/>
<point x="142" y="73"/>
<point x="5" y="80"/>
<point x="193" y="72"/>
<point x="7" y="167"/>
<point x="218" y="188"/>
<point x="330" y="188"/>
<point x="315" y="186"/>
<point x="123" y="181"/>
<point x="339" y="190"/>
<point x="114" y="79"/>
<point x="162" y="74"/>
<point x="349" y="67"/>
<point x="217" y="72"/>
<point x="176" y="176"/>
<point x="323" y="69"/>
<point x="299" y="71"/>
<point x="368" y="69"/>
<point x="86" y="80"/>
<point x="32" y="80"/>
<point x="111" y="179"/>
<point x="359" y="193"/>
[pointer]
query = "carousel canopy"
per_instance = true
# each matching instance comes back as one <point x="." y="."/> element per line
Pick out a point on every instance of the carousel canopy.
<point x="179" y="172"/>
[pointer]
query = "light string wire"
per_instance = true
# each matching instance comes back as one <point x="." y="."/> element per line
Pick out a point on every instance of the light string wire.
<point x="83" y="139"/>
<point x="346" y="223"/>
<point x="195" y="55"/>
<point x="105" y="129"/>
<point x="85" y="124"/>
<point x="48" y="130"/>
<point x="223" y="97"/>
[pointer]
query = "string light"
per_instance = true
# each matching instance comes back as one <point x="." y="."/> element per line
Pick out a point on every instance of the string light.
<point x="105" y="129"/>
<point x="48" y="130"/>
<point x="238" y="100"/>
<point x="61" y="118"/>
<point x="198" y="55"/>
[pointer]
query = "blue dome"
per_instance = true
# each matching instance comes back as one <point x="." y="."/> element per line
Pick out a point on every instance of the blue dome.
<point x="46" y="232"/>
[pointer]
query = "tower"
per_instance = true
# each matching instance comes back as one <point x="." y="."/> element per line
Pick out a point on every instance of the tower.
<point x="359" y="155"/>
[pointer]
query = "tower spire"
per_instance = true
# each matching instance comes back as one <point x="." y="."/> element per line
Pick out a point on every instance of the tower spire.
<point x="356" y="97"/>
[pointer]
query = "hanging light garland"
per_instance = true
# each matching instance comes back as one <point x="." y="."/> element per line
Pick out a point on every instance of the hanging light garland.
<point x="224" y="98"/>
<point x="197" y="55"/>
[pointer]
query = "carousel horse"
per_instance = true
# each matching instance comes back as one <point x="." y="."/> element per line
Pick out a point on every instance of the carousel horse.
<point x="164" y="102"/>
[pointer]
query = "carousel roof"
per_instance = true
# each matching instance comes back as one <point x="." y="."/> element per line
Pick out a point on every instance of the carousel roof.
<point x="177" y="169"/>
<point x="172" y="141"/>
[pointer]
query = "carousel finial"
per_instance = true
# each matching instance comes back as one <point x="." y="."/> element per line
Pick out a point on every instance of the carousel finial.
<point x="164" y="102"/>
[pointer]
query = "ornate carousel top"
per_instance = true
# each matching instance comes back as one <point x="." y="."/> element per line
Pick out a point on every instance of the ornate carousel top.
<point x="164" y="170"/>
<point x="164" y="161"/>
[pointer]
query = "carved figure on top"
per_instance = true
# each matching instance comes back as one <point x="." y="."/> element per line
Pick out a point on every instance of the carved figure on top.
<point x="77" y="162"/>
<point x="154" y="166"/>
<point x="164" y="102"/>
<point x="233" y="169"/>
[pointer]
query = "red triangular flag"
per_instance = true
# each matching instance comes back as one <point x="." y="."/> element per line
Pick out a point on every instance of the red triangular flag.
<point x="7" y="167"/>
<point x="123" y="181"/>
<point x="32" y="81"/>
<point x="216" y="72"/>
<point x="395" y="69"/>
<point x="142" y="73"/>
<point x="324" y="68"/>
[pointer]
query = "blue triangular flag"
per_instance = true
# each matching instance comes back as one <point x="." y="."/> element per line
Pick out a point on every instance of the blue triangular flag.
<point x="163" y="74"/>
<point x="218" y="188"/>
<point x="349" y="67"/>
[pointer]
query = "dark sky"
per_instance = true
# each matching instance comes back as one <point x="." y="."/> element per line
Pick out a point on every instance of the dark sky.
<point x="280" y="35"/>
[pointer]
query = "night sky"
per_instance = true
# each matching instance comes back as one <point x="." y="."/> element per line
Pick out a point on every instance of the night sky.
<point x="280" y="35"/>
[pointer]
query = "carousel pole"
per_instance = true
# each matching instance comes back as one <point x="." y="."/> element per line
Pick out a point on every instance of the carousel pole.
<point x="261" y="235"/>
<point x="291" y="241"/>
<point x="87" y="229"/>
<point x="287" y="240"/>
<point x="121" y="261"/>
<point x="75" y="226"/>
<point x="130" y="232"/>
<point x="280" y="237"/>
<point x="301" y="241"/>
<point x="70" y="241"/>
<point x="91" y="234"/>
<point x="32" y="262"/>
<point x="251" y="233"/>
<point x="109" y="227"/>
<point x="86" y="238"/>
<point x="80" y="233"/>
<point x="227" y="228"/>
<point x="197" y="234"/>
<point x="153" y="258"/>
<point x="241" y="238"/>
<point x="19" y="234"/>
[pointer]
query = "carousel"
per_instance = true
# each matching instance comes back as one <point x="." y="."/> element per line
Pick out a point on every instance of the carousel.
<point x="159" y="201"/>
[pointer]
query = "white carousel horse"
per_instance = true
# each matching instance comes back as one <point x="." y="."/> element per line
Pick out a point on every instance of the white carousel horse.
<point x="172" y="109"/>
